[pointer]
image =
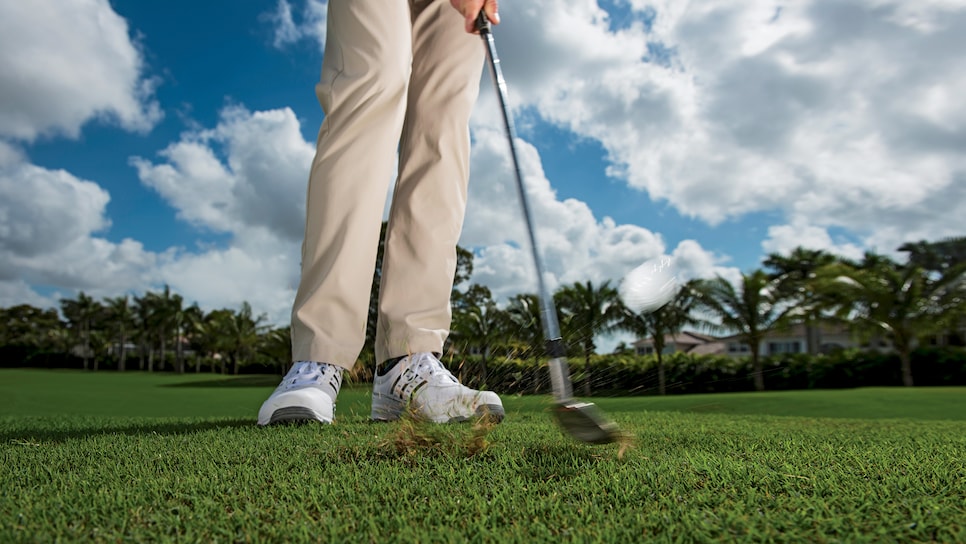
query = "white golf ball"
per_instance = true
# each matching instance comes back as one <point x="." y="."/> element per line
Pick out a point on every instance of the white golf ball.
<point x="649" y="286"/>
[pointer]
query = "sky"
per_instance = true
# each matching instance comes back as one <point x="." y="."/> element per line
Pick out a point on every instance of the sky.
<point x="145" y="144"/>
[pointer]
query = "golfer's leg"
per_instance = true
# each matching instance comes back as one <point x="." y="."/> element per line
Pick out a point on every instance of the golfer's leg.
<point x="430" y="197"/>
<point x="365" y="74"/>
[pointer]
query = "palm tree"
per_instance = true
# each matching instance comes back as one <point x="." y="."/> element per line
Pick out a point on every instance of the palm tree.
<point x="100" y="342"/>
<point x="752" y="309"/>
<point x="478" y="324"/>
<point x="524" y="328"/>
<point x="481" y="327"/>
<point x="193" y="324"/>
<point x="120" y="317"/>
<point x="160" y="317"/>
<point x="903" y="302"/>
<point x="276" y="346"/>
<point x="34" y="331"/>
<point x="144" y="308"/>
<point x="215" y="341"/>
<point x="167" y="322"/>
<point x="213" y="335"/>
<point x="81" y="315"/>
<point x="240" y="333"/>
<point x="249" y="330"/>
<point x="796" y="274"/>
<point x="588" y="311"/>
<point x="936" y="256"/>
<point x="623" y="348"/>
<point x="176" y="307"/>
<point x="156" y="338"/>
<point x="667" y="320"/>
<point x="25" y="325"/>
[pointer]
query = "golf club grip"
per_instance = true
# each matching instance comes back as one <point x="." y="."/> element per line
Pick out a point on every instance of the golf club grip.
<point x="482" y="23"/>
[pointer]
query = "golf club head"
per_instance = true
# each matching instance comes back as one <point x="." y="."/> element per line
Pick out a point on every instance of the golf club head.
<point x="585" y="422"/>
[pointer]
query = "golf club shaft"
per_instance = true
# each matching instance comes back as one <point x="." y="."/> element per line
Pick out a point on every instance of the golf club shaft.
<point x="559" y="373"/>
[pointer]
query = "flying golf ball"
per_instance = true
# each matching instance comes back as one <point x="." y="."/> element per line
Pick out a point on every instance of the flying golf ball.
<point x="650" y="285"/>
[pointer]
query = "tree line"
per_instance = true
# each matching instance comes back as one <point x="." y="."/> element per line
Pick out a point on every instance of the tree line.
<point x="155" y="331"/>
<point x="878" y="297"/>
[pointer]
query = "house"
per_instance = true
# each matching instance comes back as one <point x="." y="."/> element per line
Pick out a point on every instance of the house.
<point x="828" y="337"/>
<point x="684" y="342"/>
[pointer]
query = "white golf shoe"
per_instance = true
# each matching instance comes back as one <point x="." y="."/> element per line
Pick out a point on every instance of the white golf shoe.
<point x="421" y="384"/>
<point x="307" y="393"/>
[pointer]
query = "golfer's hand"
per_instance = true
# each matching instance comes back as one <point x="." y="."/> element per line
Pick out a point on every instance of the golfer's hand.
<point x="471" y="9"/>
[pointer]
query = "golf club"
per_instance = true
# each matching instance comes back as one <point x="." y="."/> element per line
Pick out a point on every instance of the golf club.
<point x="582" y="420"/>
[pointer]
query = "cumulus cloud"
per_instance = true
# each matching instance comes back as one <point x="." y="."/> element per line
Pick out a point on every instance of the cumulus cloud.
<point x="51" y="234"/>
<point x="575" y="245"/>
<point x="65" y="63"/>
<point x="17" y="291"/>
<point x="288" y="30"/>
<point x="843" y="120"/>
<point x="62" y="66"/>
<point x="783" y="239"/>
<point x="257" y="268"/>
<point x="838" y="115"/>
<point x="691" y="261"/>
<point x="261" y="185"/>
<point x="246" y="177"/>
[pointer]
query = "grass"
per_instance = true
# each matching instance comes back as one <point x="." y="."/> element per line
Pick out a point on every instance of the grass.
<point x="137" y="457"/>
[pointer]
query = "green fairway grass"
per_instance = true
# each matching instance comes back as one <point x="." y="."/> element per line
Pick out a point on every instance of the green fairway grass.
<point x="110" y="457"/>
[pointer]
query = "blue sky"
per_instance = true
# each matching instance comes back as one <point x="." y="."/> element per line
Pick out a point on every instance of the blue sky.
<point x="149" y="143"/>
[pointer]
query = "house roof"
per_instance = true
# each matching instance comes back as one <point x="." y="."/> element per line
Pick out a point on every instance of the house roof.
<point x="683" y="338"/>
<point x="797" y="330"/>
<point x="695" y="342"/>
<point x="711" y="348"/>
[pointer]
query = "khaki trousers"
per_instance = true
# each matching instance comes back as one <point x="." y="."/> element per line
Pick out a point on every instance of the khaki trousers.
<point x="396" y="74"/>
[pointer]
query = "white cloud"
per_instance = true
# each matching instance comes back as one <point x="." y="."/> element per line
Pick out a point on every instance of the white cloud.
<point x="17" y="291"/>
<point x="45" y="210"/>
<point x="65" y="63"/>
<point x="312" y="23"/>
<point x="50" y="234"/>
<point x="783" y="239"/>
<point x="691" y="261"/>
<point x="286" y="31"/>
<point x="259" y="269"/>
<point x="245" y="177"/>
<point x="836" y="114"/>
<point x="260" y="185"/>
<point x="575" y="245"/>
<point x="835" y="117"/>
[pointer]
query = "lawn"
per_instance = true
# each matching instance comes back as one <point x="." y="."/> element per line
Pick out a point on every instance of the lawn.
<point x="138" y="457"/>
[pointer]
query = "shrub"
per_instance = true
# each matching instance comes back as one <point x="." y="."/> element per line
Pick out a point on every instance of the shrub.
<point x="627" y="374"/>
